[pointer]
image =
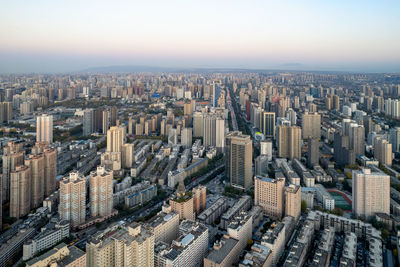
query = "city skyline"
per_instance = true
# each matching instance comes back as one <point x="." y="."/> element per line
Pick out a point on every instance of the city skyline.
<point x="50" y="37"/>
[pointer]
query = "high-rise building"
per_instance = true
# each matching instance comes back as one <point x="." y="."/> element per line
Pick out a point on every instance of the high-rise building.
<point x="214" y="131"/>
<point x="44" y="128"/>
<point x="328" y="102"/>
<point x="358" y="139"/>
<point x="113" y="116"/>
<point x="182" y="203"/>
<point x="395" y="139"/>
<point x="216" y="94"/>
<point x="186" y="137"/>
<point x="289" y="142"/>
<point x="72" y="205"/>
<point x="239" y="156"/>
<point x="268" y="124"/>
<point x="50" y="166"/>
<point x="311" y="125"/>
<point x="383" y="151"/>
<point x="343" y="155"/>
<point x="131" y="245"/>
<point x="199" y="198"/>
<point x="98" y="120"/>
<point x="13" y="156"/>
<point x="198" y="124"/>
<point x="20" y="191"/>
<point x="127" y="155"/>
<point x="313" y="152"/>
<point x="88" y="122"/>
<point x="187" y="108"/>
<point x="36" y="164"/>
<point x="266" y="149"/>
<point x="293" y="201"/>
<point x="5" y="111"/>
<point x="268" y="193"/>
<point x="371" y="193"/>
<point x="115" y="138"/>
<point x="336" y="102"/>
<point x="105" y="121"/>
<point x="101" y="192"/>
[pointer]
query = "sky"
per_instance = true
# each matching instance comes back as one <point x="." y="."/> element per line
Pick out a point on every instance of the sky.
<point x="70" y="35"/>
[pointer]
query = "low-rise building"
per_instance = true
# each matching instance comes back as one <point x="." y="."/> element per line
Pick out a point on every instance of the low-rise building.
<point x="259" y="256"/>
<point x="224" y="253"/>
<point x="61" y="255"/>
<point x="243" y="204"/>
<point x="211" y="214"/>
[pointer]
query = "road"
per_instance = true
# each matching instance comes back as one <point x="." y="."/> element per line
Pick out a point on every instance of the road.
<point x="233" y="115"/>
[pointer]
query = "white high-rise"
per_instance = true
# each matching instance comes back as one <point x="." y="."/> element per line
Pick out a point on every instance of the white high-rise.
<point x="44" y="128"/>
<point x="101" y="192"/>
<point x="371" y="193"/>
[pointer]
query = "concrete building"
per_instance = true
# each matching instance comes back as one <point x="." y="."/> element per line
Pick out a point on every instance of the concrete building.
<point x="36" y="165"/>
<point x="10" y="249"/>
<point x="189" y="249"/>
<point x="268" y="193"/>
<point x="313" y="152"/>
<point x="44" y="128"/>
<point x="275" y="240"/>
<point x="199" y="198"/>
<point x="182" y="203"/>
<point x="293" y="201"/>
<point x="224" y="253"/>
<point x="101" y="192"/>
<point x="383" y="151"/>
<point x="198" y="124"/>
<point x="131" y="245"/>
<point x="268" y="124"/>
<point x="60" y="255"/>
<point x="289" y="142"/>
<point x="258" y="256"/>
<point x="50" y="166"/>
<point x="55" y="231"/>
<point x="20" y="191"/>
<point x="238" y="163"/>
<point x="13" y="156"/>
<point x="212" y="213"/>
<point x="243" y="204"/>
<point x="241" y="228"/>
<point x="88" y="122"/>
<point x="323" y="196"/>
<point x="370" y="191"/>
<point x="165" y="226"/>
<point x="311" y="125"/>
<point x="186" y="137"/>
<point x="127" y="156"/>
<point x="266" y="149"/>
<point x="72" y="205"/>
<point x="214" y="131"/>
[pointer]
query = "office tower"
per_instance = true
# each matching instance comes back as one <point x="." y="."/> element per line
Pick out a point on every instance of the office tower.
<point x="289" y="142"/>
<point x="36" y="164"/>
<point x="88" y="122"/>
<point x="358" y="139"/>
<point x="216" y="94"/>
<point x="266" y="149"/>
<point x="105" y="121"/>
<point x="127" y="155"/>
<point x="115" y="138"/>
<point x="131" y="245"/>
<point x="311" y="125"/>
<point x="293" y="201"/>
<point x="268" y="193"/>
<point x="336" y="102"/>
<point x="383" y="151"/>
<point x="186" y="137"/>
<point x="101" y="192"/>
<point x="394" y="138"/>
<point x="343" y="155"/>
<point x="113" y="116"/>
<point x="199" y="198"/>
<point x="214" y="131"/>
<point x="20" y="191"/>
<point x="44" y="128"/>
<point x="367" y="122"/>
<point x="292" y="116"/>
<point x="98" y="120"/>
<point x="371" y="193"/>
<point x="5" y="111"/>
<point x="13" y="156"/>
<point x="238" y="160"/>
<point x="198" y="124"/>
<point x="268" y="124"/>
<point x="182" y="202"/>
<point x="328" y="102"/>
<point x="313" y="152"/>
<point x="72" y="205"/>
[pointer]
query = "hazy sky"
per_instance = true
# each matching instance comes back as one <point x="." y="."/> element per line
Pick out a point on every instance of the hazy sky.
<point x="57" y="36"/>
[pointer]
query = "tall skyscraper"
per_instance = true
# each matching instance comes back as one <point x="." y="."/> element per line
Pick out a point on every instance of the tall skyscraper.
<point x="50" y="166"/>
<point x="313" y="152"/>
<point x="186" y="137"/>
<point x="20" y="191"/>
<point x="311" y="125"/>
<point x="101" y="192"/>
<point x="72" y="205"/>
<point x="5" y="111"/>
<point x="214" y="131"/>
<point x="268" y="124"/>
<point x="98" y="120"/>
<point x="383" y="151"/>
<point x="371" y="193"/>
<point x="13" y="156"/>
<point x="36" y="164"/>
<point x="289" y="142"/>
<point x="44" y="128"/>
<point x="268" y="193"/>
<point x="239" y="156"/>
<point x="216" y="94"/>
<point x="88" y="122"/>
<point x="395" y="139"/>
<point x="358" y="140"/>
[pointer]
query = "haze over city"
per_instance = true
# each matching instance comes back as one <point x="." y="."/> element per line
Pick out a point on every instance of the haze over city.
<point x="72" y="36"/>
